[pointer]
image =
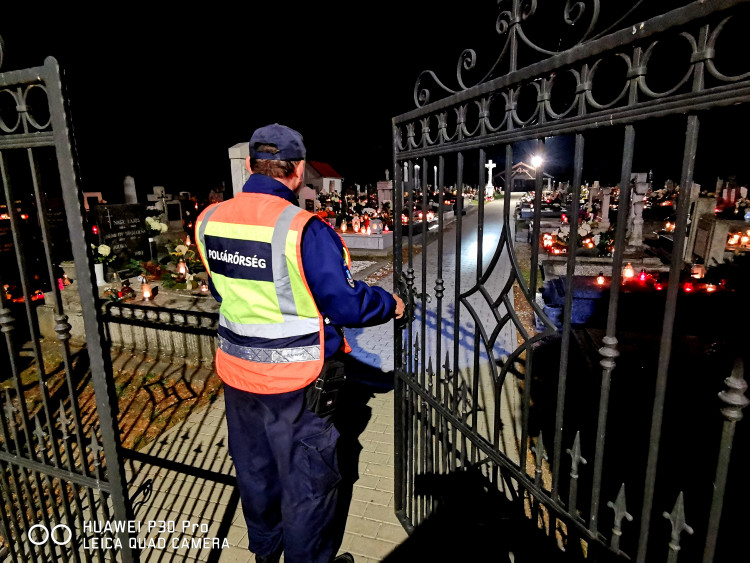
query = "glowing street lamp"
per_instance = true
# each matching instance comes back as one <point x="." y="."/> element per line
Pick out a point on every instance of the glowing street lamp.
<point x="536" y="161"/>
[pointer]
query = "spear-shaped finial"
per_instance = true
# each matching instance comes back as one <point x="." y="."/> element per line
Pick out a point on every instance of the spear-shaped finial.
<point x="677" y="518"/>
<point x="620" y="512"/>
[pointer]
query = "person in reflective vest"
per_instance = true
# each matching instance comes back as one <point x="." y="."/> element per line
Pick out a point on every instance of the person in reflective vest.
<point x="283" y="280"/>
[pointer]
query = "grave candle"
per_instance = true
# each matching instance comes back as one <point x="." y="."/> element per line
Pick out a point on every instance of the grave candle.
<point x="146" y="290"/>
<point x="182" y="268"/>
<point x="628" y="272"/>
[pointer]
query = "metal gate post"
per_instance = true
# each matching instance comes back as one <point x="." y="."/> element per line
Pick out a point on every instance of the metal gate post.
<point x="101" y="368"/>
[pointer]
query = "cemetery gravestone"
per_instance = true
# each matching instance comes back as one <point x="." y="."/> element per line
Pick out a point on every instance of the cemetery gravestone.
<point x="123" y="228"/>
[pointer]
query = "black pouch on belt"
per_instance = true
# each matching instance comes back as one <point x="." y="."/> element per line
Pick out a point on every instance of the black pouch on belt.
<point x="323" y="393"/>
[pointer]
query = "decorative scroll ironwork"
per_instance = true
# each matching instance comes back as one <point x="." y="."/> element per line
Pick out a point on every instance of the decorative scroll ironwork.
<point x="592" y="98"/>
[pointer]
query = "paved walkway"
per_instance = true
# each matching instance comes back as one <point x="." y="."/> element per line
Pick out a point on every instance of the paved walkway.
<point x="192" y="512"/>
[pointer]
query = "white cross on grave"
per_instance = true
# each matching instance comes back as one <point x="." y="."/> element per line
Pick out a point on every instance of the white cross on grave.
<point x="490" y="166"/>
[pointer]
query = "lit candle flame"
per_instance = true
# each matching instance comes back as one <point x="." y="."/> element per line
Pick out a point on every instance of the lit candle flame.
<point x="628" y="272"/>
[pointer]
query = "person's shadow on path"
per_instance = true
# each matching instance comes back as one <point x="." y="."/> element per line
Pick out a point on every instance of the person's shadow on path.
<point x="351" y="417"/>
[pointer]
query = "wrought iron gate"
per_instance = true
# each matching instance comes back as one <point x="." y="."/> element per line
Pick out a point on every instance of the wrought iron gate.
<point x="465" y="383"/>
<point x="61" y="477"/>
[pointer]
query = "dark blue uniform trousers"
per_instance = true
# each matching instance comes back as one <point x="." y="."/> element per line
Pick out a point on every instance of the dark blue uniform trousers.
<point x="287" y="471"/>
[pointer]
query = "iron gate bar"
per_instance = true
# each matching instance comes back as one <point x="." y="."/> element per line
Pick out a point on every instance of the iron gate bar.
<point x="567" y="321"/>
<point x="56" y="472"/>
<point x="399" y="417"/>
<point x="665" y="348"/>
<point x="33" y="327"/>
<point x="99" y="361"/>
<point x="457" y="297"/>
<point x="734" y="402"/>
<point x="439" y="289"/>
<point x="62" y="328"/>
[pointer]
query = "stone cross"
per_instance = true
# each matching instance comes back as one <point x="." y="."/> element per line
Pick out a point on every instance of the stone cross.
<point x="490" y="166"/>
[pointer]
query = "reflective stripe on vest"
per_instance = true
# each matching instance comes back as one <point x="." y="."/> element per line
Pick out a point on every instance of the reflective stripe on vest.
<point x="270" y="355"/>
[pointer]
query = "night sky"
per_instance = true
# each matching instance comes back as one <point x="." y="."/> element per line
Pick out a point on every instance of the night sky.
<point x="162" y="94"/>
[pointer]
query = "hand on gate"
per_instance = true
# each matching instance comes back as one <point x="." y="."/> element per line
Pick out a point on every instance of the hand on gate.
<point x="404" y="304"/>
<point x="400" y="307"/>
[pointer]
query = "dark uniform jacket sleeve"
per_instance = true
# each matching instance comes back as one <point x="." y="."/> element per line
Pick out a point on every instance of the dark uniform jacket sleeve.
<point x="345" y="301"/>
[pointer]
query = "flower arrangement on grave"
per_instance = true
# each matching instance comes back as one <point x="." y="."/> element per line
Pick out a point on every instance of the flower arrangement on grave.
<point x="558" y="242"/>
<point x="179" y="266"/>
<point x="151" y="270"/>
<point x="102" y="254"/>
<point x="741" y="206"/>
<point x="155" y="227"/>
<point x="584" y="236"/>
<point x="606" y="242"/>
<point x="584" y="193"/>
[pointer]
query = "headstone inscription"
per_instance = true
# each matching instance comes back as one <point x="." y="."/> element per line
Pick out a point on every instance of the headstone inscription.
<point x="123" y="228"/>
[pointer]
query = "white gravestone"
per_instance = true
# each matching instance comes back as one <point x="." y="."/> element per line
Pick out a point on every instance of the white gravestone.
<point x="129" y="190"/>
<point x="237" y="156"/>
<point x="604" y="220"/>
<point x="635" y="236"/>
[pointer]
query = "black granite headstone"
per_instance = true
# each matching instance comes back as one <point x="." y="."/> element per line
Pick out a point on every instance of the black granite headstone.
<point x="123" y="228"/>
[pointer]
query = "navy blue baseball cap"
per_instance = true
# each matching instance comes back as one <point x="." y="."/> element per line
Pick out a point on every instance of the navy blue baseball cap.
<point x="288" y="141"/>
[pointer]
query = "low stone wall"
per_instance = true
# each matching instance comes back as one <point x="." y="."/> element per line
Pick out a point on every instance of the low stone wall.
<point x="356" y="241"/>
<point x="175" y="324"/>
<point x="592" y="266"/>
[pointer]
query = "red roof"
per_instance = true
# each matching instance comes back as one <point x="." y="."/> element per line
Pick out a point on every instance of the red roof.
<point x="324" y="169"/>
